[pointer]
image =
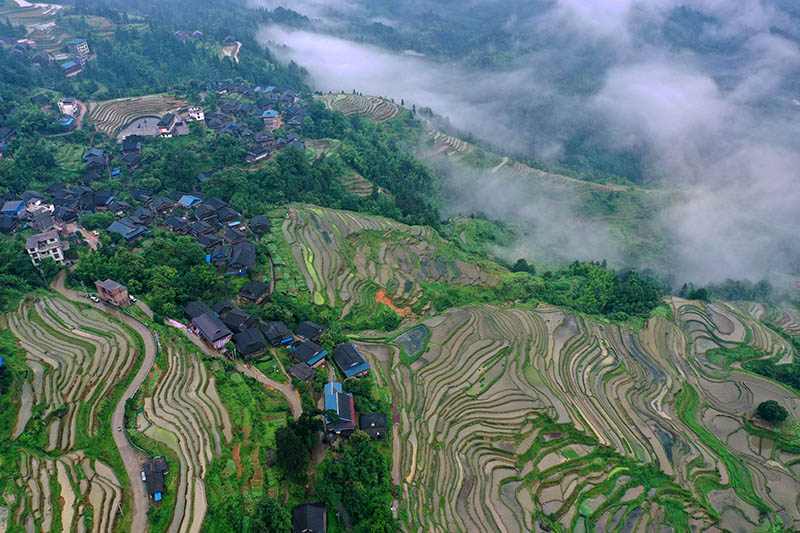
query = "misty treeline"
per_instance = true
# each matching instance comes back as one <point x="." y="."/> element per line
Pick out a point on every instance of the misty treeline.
<point x="217" y="19"/>
<point x="730" y="289"/>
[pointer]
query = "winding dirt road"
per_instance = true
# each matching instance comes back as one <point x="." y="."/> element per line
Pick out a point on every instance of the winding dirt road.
<point x="130" y="457"/>
<point x="288" y="392"/>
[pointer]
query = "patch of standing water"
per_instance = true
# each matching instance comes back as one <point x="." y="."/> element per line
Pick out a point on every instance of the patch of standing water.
<point x="413" y="340"/>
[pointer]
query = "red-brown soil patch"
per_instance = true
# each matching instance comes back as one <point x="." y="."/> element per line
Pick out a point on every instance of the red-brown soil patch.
<point x="257" y="481"/>
<point x="383" y="297"/>
<point x="237" y="458"/>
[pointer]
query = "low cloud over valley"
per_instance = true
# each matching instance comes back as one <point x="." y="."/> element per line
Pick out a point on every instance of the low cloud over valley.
<point x="702" y="94"/>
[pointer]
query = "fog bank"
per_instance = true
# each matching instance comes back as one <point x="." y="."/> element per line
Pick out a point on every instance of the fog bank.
<point x="714" y="118"/>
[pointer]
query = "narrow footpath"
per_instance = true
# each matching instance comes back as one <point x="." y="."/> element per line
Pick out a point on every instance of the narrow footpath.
<point x="130" y="457"/>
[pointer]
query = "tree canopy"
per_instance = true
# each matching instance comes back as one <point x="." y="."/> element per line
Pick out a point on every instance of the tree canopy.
<point x="772" y="412"/>
<point x="360" y="479"/>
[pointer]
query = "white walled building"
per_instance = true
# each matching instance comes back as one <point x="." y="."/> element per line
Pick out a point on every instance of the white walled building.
<point x="68" y="106"/>
<point x="196" y="113"/>
<point x="47" y="244"/>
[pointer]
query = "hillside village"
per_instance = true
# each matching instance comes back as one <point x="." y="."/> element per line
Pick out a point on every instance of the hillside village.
<point x="215" y="225"/>
<point x="65" y="218"/>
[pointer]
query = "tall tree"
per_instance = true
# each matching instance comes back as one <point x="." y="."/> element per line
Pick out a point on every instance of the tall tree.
<point x="269" y="517"/>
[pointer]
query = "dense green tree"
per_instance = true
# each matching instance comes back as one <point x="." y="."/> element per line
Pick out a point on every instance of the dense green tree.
<point x="360" y="479"/>
<point x="699" y="294"/>
<point x="48" y="269"/>
<point x="96" y="221"/>
<point x="269" y="517"/>
<point x="291" y="456"/>
<point x="523" y="266"/>
<point x="169" y="272"/>
<point x="18" y="276"/>
<point x="293" y="444"/>
<point x="772" y="412"/>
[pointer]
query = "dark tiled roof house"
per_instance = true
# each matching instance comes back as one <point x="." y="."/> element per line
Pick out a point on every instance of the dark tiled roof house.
<point x="195" y="309"/>
<point x="374" y="424"/>
<point x="211" y="329"/>
<point x="350" y="361"/>
<point x="277" y="333"/>
<point x="254" y="292"/>
<point x="260" y="224"/>
<point x="309" y="330"/>
<point x="309" y="518"/>
<point x="243" y="258"/>
<point x="310" y="353"/>
<point x="238" y="321"/>
<point x="302" y="372"/>
<point x="250" y="343"/>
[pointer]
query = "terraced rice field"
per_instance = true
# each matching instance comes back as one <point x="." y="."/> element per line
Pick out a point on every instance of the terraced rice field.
<point x="75" y="358"/>
<point x="347" y="258"/>
<point x="29" y="15"/>
<point x="454" y="147"/>
<point x="511" y="419"/>
<point x="111" y="115"/>
<point x="358" y="185"/>
<point x="72" y="491"/>
<point x="378" y="109"/>
<point x="183" y="410"/>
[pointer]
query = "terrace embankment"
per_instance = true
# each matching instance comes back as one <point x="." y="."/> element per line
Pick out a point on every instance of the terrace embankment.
<point x="378" y="109"/>
<point x="346" y="259"/>
<point x="110" y="115"/>
<point x="515" y="418"/>
<point x="79" y="361"/>
<point x="183" y="411"/>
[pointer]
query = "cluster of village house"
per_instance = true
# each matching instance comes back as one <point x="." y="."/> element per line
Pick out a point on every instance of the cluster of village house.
<point x="224" y="323"/>
<point x="228" y="121"/>
<point x="263" y="104"/>
<point x="214" y="224"/>
<point x="78" y="54"/>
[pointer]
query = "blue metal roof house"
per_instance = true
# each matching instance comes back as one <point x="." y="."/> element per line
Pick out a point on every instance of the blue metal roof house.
<point x="269" y="113"/>
<point x="13" y="207"/>
<point x="189" y="201"/>
<point x="70" y="68"/>
<point x="342" y="404"/>
<point x="128" y="231"/>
